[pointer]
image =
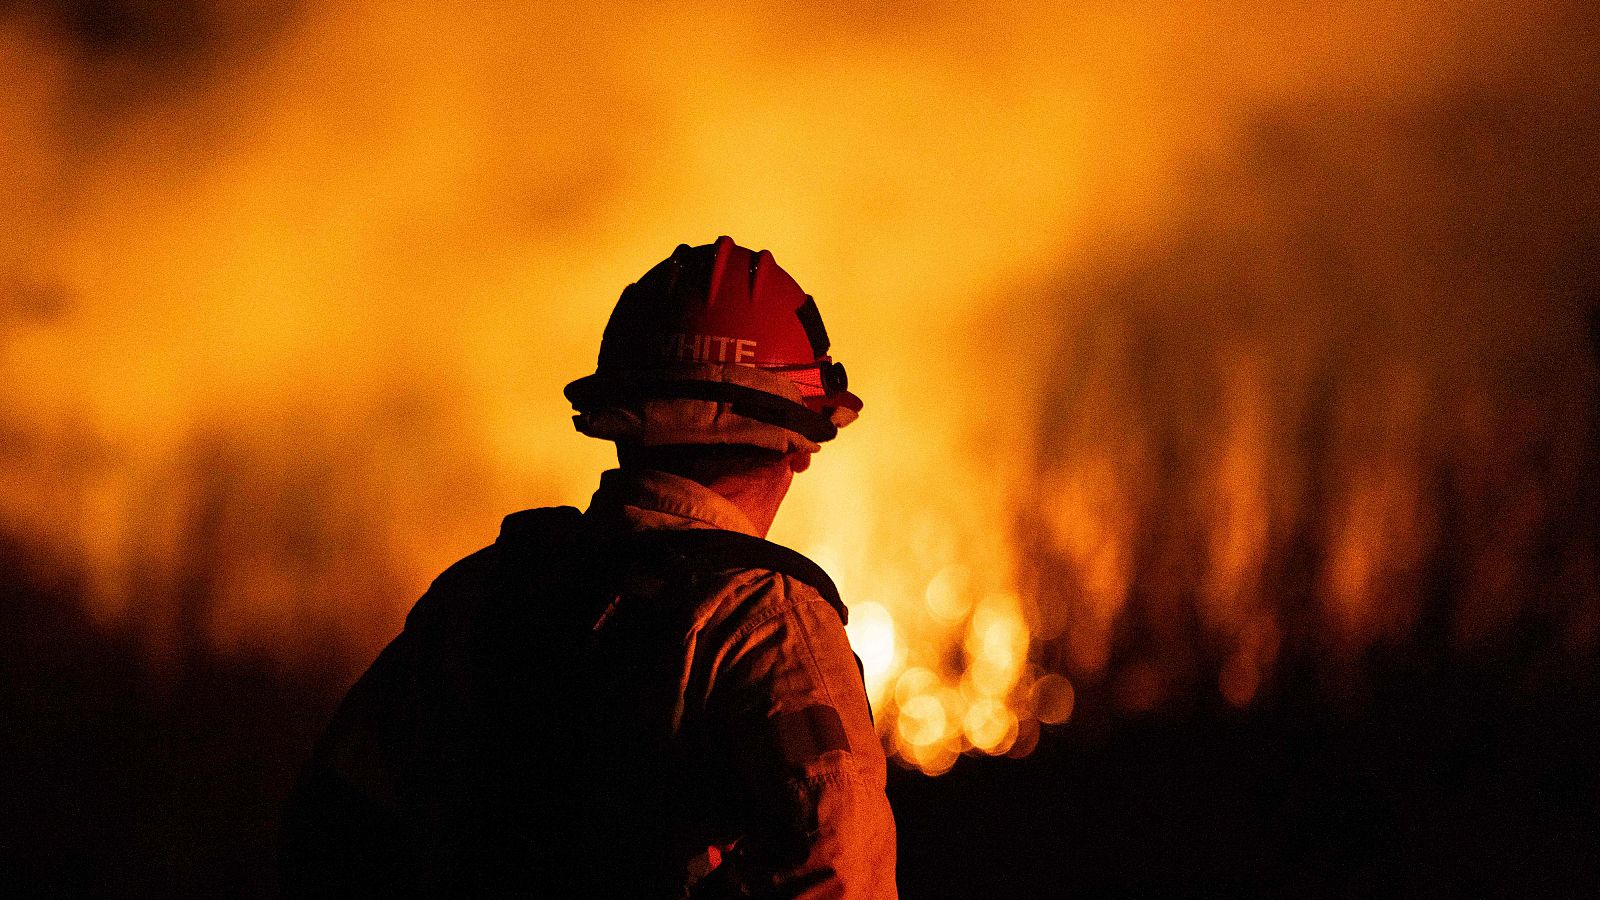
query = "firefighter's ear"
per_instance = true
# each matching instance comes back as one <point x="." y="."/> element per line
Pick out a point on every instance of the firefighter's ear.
<point x="799" y="461"/>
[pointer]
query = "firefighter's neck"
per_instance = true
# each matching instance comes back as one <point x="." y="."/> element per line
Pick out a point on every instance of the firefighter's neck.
<point x="758" y="496"/>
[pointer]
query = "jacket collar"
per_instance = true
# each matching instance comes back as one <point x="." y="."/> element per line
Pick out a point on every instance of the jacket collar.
<point x="645" y="499"/>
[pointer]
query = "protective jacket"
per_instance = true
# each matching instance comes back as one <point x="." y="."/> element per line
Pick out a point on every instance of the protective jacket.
<point x="642" y="700"/>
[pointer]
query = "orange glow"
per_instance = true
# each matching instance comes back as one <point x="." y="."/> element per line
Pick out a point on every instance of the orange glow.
<point x="286" y="325"/>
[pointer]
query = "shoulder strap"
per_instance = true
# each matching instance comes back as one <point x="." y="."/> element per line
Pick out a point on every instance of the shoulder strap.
<point x="537" y="523"/>
<point x="707" y="550"/>
<point x="697" y="551"/>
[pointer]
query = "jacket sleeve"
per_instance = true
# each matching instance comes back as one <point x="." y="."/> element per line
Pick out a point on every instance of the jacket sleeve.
<point x="341" y="832"/>
<point x="344" y="833"/>
<point x="790" y="695"/>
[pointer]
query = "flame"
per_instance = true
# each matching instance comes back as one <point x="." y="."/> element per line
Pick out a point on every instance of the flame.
<point x="288" y="307"/>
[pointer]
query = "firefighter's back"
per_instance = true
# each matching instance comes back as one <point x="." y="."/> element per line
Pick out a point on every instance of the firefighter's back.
<point x="529" y="729"/>
<point x="516" y="735"/>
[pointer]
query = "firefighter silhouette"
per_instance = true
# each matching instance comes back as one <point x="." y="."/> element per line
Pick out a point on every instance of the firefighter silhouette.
<point x="647" y="698"/>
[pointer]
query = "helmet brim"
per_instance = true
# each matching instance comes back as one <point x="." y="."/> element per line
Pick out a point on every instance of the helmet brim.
<point x="602" y="390"/>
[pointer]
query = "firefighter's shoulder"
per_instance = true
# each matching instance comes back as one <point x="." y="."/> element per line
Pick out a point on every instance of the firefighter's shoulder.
<point x="468" y="576"/>
<point x="747" y="598"/>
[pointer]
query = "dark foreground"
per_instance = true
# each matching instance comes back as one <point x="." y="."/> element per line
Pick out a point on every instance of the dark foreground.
<point x="1446" y="781"/>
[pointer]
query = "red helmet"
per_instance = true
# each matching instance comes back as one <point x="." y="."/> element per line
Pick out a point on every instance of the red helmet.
<point x="697" y="324"/>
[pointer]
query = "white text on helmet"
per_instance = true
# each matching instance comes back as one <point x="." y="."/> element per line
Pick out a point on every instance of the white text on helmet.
<point x="708" y="348"/>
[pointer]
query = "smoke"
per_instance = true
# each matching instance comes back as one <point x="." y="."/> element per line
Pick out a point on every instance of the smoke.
<point x="1344" y="405"/>
<point x="1190" y="335"/>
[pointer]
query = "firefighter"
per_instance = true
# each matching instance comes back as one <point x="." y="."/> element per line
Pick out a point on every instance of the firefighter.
<point x="645" y="699"/>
